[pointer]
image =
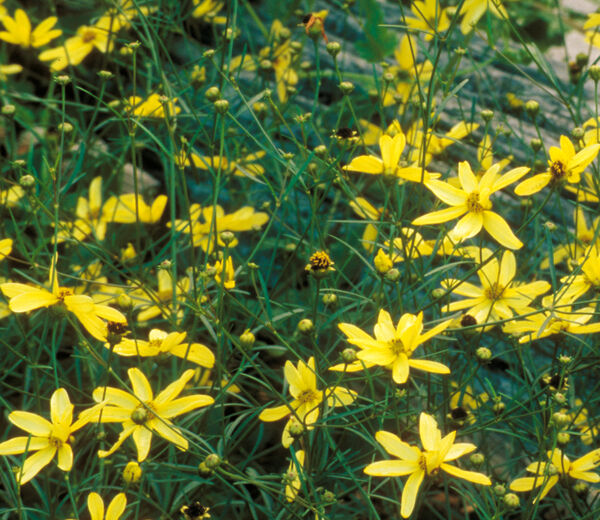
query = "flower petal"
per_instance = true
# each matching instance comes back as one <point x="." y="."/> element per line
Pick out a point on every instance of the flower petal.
<point x="397" y="447"/>
<point x="116" y="507"/>
<point x="410" y="492"/>
<point x="183" y="405"/>
<point x="140" y="385"/>
<point x="31" y="423"/>
<point x="391" y="468"/>
<point x="34" y="464"/>
<point x="497" y="227"/>
<point x="275" y="414"/>
<point x="471" y="476"/>
<point x="142" y="438"/>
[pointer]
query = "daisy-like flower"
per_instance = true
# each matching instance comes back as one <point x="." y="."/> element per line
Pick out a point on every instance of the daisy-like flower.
<point x="500" y="297"/>
<point x="76" y="48"/>
<point x="430" y="18"/>
<point x="364" y="209"/>
<point x="292" y="476"/>
<point x="307" y="399"/>
<point x="18" y="30"/>
<point x="141" y="414"/>
<point x="473" y="201"/>
<point x="46" y="438"/>
<point x="564" y="166"/>
<point x="389" y="164"/>
<point x="129" y="208"/>
<point x="93" y="316"/>
<point x="159" y="342"/>
<point x="154" y="105"/>
<point x="393" y="346"/>
<point x="547" y="474"/>
<point x="208" y="223"/>
<point x="224" y="273"/>
<point x="436" y="454"/>
<point x="472" y="11"/>
<point x="320" y="264"/>
<point x="154" y="304"/>
<point x="207" y="10"/>
<point x="244" y="167"/>
<point x="588" y="276"/>
<point x="463" y="403"/>
<point x="113" y="512"/>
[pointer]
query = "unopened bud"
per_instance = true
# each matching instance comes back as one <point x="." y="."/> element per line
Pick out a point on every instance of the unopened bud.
<point x="247" y="339"/>
<point x="212" y="94"/>
<point x="8" y="110"/>
<point x="65" y="127"/>
<point x="477" y="459"/>
<point x="487" y="115"/>
<point x="132" y="472"/>
<point x="511" y="500"/>
<point x="221" y="106"/>
<point x="393" y="275"/>
<point x="532" y="107"/>
<point x="330" y="299"/>
<point x="346" y="87"/>
<point x="536" y="144"/>
<point x="212" y="461"/>
<point x="333" y="48"/>
<point x="227" y="237"/>
<point x="577" y="133"/>
<point x="349" y="355"/>
<point x="305" y="326"/>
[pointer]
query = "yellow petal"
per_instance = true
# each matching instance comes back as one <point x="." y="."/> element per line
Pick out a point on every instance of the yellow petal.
<point x="61" y="409"/>
<point x="31" y="423"/>
<point x="429" y="432"/>
<point x="34" y="464"/>
<point x="410" y="492"/>
<point x="497" y="227"/>
<point x="140" y="385"/>
<point x="95" y="506"/>
<point x="429" y="366"/>
<point x="397" y="447"/>
<point x="184" y="405"/>
<point x="391" y="468"/>
<point x="143" y="439"/>
<point x="31" y="300"/>
<point x="471" y="476"/>
<point x="22" y="444"/>
<point x="116" y="507"/>
<point x="65" y="457"/>
<point x="274" y="414"/>
<point x="533" y="185"/>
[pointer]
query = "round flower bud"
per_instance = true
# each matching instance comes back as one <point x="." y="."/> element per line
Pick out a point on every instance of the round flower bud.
<point x="532" y="107"/>
<point x="581" y="59"/>
<point x="27" y="181"/>
<point x="212" y="94"/>
<point x="498" y="407"/>
<point x="306" y="65"/>
<point x="499" y="490"/>
<point x="487" y="115"/>
<point x="477" y="459"/>
<point x="560" y="419"/>
<point x="260" y="108"/>
<point x="212" y="461"/>
<point x="284" y="33"/>
<point x="124" y="301"/>
<point x="563" y="438"/>
<point x="132" y="472"/>
<point x="511" y="500"/>
<point x="65" y="127"/>
<point x="204" y="470"/>
<point x="321" y="151"/>
<point x="438" y="293"/>
<point x="595" y="73"/>
<point x="459" y="51"/>
<point x="393" y="275"/>
<point x="8" y="110"/>
<point x="247" y="339"/>
<point x="581" y="488"/>
<point x="330" y="299"/>
<point x="105" y="75"/>
<point x="333" y="48"/>
<point x="346" y="87"/>
<point x="305" y="326"/>
<point x="536" y="144"/>
<point x="62" y="79"/>
<point x="227" y="237"/>
<point x="564" y="360"/>
<point x="388" y="77"/>
<point x="208" y="53"/>
<point x="577" y="132"/>
<point x="328" y="497"/>
<point x="221" y="106"/>
<point x="266" y="64"/>
<point x="382" y="261"/>
<point x="560" y="398"/>
<point x="349" y="355"/>
<point x="373" y="94"/>
<point x="550" y="226"/>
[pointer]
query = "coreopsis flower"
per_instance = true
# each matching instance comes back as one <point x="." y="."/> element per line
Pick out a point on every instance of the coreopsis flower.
<point x="129" y="208"/>
<point x="554" y="319"/>
<point x="372" y="132"/>
<point x="195" y="511"/>
<point x="434" y="144"/>
<point x="153" y="304"/>
<point x="18" y="30"/>
<point x="382" y="262"/>
<point x="429" y="18"/>
<point x="364" y="209"/>
<point x="90" y="218"/>
<point x="307" y="401"/>
<point x="463" y="402"/>
<point x="292" y="477"/>
<point x="161" y="343"/>
<point x="154" y="105"/>
<point x="224" y="273"/>
<point x="113" y="512"/>
<point x="207" y="10"/>
<point x="586" y="276"/>
<point x="389" y="164"/>
<point x="564" y="166"/>
<point x="93" y="316"/>
<point x="393" y="346"/>
<point x="5" y="247"/>
<point x="244" y="167"/>
<point x="76" y="48"/>
<point x="592" y="28"/>
<point x="141" y="414"/>
<point x="558" y="467"/>
<point x="586" y="424"/>
<point x="472" y="11"/>
<point x="208" y="223"/>
<point x="120" y="16"/>
<point x="46" y="438"/>
<point x="319" y="264"/>
<point x="417" y="463"/>
<point x="10" y="197"/>
<point x="500" y="297"/>
<point x="473" y="201"/>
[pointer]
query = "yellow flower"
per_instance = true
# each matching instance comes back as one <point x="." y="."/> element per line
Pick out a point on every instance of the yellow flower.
<point x="472" y="10"/>
<point x="141" y="413"/>
<point x="18" y="30"/>
<point x="207" y="234"/>
<point x="473" y="201"/>
<point x="307" y="399"/>
<point x="129" y="208"/>
<point x="500" y="297"/>
<point x="364" y="209"/>
<point x="593" y="22"/>
<point x="588" y="276"/>
<point x="207" y="11"/>
<point x="292" y="477"/>
<point x="393" y="347"/>
<point x="5" y="247"/>
<point x="320" y="264"/>
<point x="161" y="302"/>
<point x="10" y="197"/>
<point x="430" y="18"/>
<point x="76" y="48"/>
<point x="547" y="474"/>
<point x="120" y="16"/>
<point x="93" y="316"/>
<point x="565" y="166"/>
<point x="153" y="106"/>
<point x="436" y="454"/>
<point x="389" y="164"/>
<point x="382" y="262"/>
<point x="243" y="167"/>
<point x="159" y="342"/>
<point x="46" y="438"/>
<point x="224" y="273"/>
<point x="115" y="508"/>
<point x="464" y="402"/>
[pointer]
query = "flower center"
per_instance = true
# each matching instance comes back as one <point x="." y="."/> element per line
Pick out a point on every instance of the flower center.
<point x="308" y="396"/>
<point x="494" y="291"/>
<point x="474" y="205"/>
<point x="89" y="36"/>
<point x="557" y="170"/>
<point x="398" y="347"/>
<point x="63" y="292"/>
<point x="425" y="465"/>
<point x="320" y="261"/>
<point x="142" y="414"/>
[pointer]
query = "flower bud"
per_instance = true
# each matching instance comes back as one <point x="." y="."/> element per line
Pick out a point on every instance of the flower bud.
<point x="208" y="53"/>
<point x="221" y="106"/>
<point x="305" y="326"/>
<point x="349" y="355"/>
<point x="499" y="490"/>
<point x="578" y="133"/>
<point x="477" y="459"/>
<point x="247" y="339"/>
<point x="563" y="438"/>
<point x="487" y="115"/>
<point x="296" y="428"/>
<point x="346" y="87"/>
<point x="334" y="48"/>
<point x="227" y="237"/>
<point x="330" y="299"/>
<point x="132" y="472"/>
<point x="393" y="275"/>
<point x="65" y="127"/>
<point x="8" y="110"/>
<point x="595" y="73"/>
<point x="212" y="461"/>
<point x="27" y="181"/>
<point x="105" y="75"/>
<point x="62" y="79"/>
<point x="560" y="419"/>
<point x="212" y="94"/>
<point x="536" y="144"/>
<point x="321" y="151"/>
<point x="438" y="293"/>
<point x="532" y="107"/>
<point x="511" y="500"/>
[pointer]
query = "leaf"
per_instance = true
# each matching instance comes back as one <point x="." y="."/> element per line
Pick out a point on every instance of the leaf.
<point x="378" y="42"/>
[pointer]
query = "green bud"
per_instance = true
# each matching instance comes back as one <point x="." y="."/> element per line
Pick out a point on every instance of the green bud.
<point x="487" y="115"/>
<point x="511" y="500"/>
<point x="346" y="87"/>
<point x="333" y="48"/>
<point x="212" y="94"/>
<point x="221" y="106"/>
<point x="305" y="326"/>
